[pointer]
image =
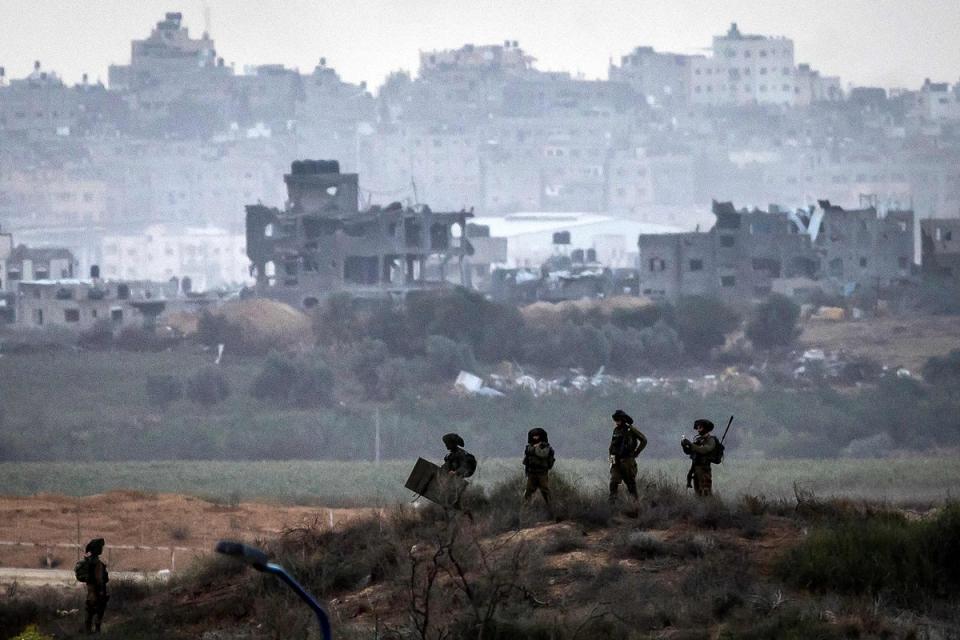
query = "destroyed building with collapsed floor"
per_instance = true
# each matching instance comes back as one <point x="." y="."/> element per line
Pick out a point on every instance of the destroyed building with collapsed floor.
<point x="751" y="253"/>
<point x="321" y="243"/>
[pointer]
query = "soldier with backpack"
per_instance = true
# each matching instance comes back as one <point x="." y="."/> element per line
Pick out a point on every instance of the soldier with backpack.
<point x="538" y="459"/>
<point x="626" y="443"/>
<point x="91" y="571"/>
<point x="458" y="462"/>
<point x="703" y="451"/>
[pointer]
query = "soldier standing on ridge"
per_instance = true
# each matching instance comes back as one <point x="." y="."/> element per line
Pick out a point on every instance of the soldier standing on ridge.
<point x="93" y="572"/>
<point x="458" y="462"/>
<point x="538" y="459"/>
<point x="701" y="452"/>
<point x="626" y="443"/>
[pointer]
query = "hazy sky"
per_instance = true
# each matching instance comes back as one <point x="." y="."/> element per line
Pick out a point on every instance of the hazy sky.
<point x="891" y="43"/>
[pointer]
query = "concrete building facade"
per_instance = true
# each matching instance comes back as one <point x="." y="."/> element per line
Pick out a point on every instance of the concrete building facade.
<point x="322" y="243"/>
<point x="748" y="253"/>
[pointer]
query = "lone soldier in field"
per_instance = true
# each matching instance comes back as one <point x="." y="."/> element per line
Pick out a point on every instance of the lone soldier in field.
<point x="626" y="444"/>
<point x="701" y="452"/>
<point x="538" y="459"/>
<point x="91" y="571"/>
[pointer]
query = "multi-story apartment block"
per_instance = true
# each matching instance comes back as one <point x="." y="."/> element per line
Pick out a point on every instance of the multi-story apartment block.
<point x="40" y="105"/>
<point x="744" y="69"/>
<point x="210" y="257"/>
<point x="746" y="253"/>
<point x="662" y="79"/>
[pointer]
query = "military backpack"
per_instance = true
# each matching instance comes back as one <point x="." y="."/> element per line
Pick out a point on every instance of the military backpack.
<point x="83" y="570"/>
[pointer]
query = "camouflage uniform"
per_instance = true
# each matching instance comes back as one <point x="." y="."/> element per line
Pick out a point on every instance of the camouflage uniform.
<point x="538" y="459"/>
<point x="96" y="601"/>
<point x="626" y="444"/>
<point x="458" y="461"/>
<point x="700" y="452"/>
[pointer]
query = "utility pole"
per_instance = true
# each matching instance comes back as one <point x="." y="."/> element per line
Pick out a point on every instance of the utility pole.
<point x="376" y="437"/>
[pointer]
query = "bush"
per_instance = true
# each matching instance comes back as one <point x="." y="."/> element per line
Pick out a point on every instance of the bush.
<point x="905" y="561"/>
<point x="774" y="322"/>
<point x="216" y="329"/>
<point x="661" y="344"/>
<point x="163" y="389"/>
<point x="446" y="357"/>
<point x="306" y="383"/>
<point x="140" y="340"/>
<point x="99" y="336"/>
<point x="369" y="355"/>
<point x="943" y="370"/>
<point x="314" y="385"/>
<point x="208" y="386"/>
<point x="275" y="378"/>
<point x="337" y="321"/>
<point x="703" y="323"/>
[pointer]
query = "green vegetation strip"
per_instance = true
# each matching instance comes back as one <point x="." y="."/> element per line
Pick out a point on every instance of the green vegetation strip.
<point x="349" y="483"/>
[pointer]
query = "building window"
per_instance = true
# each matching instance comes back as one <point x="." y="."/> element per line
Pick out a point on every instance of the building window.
<point x="947" y="235"/>
<point x="863" y="262"/>
<point x="71" y="315"/>
<point x="657" y="264"/>
<point x="696" y="265"/>
<point x="116" y="315"/>
<point x="727" y="241"/>
<point x="728" y="281"/>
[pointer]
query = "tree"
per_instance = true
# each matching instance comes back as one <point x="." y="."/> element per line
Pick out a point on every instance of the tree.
<point x="774" y="322"/>
<point x="447" y="357"/>
<point x="208" y="386"/>
<point x="314" y="384"/>
<point x="163" y="389"/>
<point x="275" y="378"/>
<point x="703" y="323"/>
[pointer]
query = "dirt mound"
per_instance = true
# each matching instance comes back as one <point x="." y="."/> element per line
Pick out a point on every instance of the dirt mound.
<point x="551" y="312"/>
<point x="259" y="319"/>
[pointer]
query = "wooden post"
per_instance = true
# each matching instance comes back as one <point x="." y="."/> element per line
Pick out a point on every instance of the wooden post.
<point x="330" y="514"/>
<point x="173" y="559"/>
<point x="376" y="438"/>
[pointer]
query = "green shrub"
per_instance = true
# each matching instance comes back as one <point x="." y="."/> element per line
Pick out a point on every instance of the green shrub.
<point x="306" y="382"/>
<point x="208" y="386"/>
<point x="163" y="389"/>
<point x="703" y="323"/>
<point x="275" y="378"/>
<point x="905" y="561"/>
<point x="314" y="385"/>
<point x="446" y="358"/>
<point x="943" y="369"/>
<point x="774" y="322"/>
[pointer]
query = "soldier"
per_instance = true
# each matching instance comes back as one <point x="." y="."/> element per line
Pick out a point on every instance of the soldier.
<point x="538" y="459"/>
<point x="701" y="452"/>
<point x="458" y="462"/>
<point x="625" y="445"/>
<point x="96" y="580"/>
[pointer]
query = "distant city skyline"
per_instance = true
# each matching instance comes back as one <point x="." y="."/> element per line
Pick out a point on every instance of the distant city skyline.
<point x="865" y="42"/>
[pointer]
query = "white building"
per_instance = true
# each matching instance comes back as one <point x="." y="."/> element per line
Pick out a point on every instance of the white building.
<point x="744" y="69"/>
<point x="938" y="102"/>
<point x="530" y="236"/>
<point x="210" y="257"/>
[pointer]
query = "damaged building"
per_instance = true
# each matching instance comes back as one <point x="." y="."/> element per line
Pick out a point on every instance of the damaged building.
<point x="322" y="243"/>
<point x="749" y="254"/>
<point x="940" y="247"/>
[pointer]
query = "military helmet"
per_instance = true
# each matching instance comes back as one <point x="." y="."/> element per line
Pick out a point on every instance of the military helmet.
<point x="452" y="440"/>
<point x="703" y="422"/>
<point x="95" y="546"/>
<point x="622" y="416"/>
<point x="537" y="431"/>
